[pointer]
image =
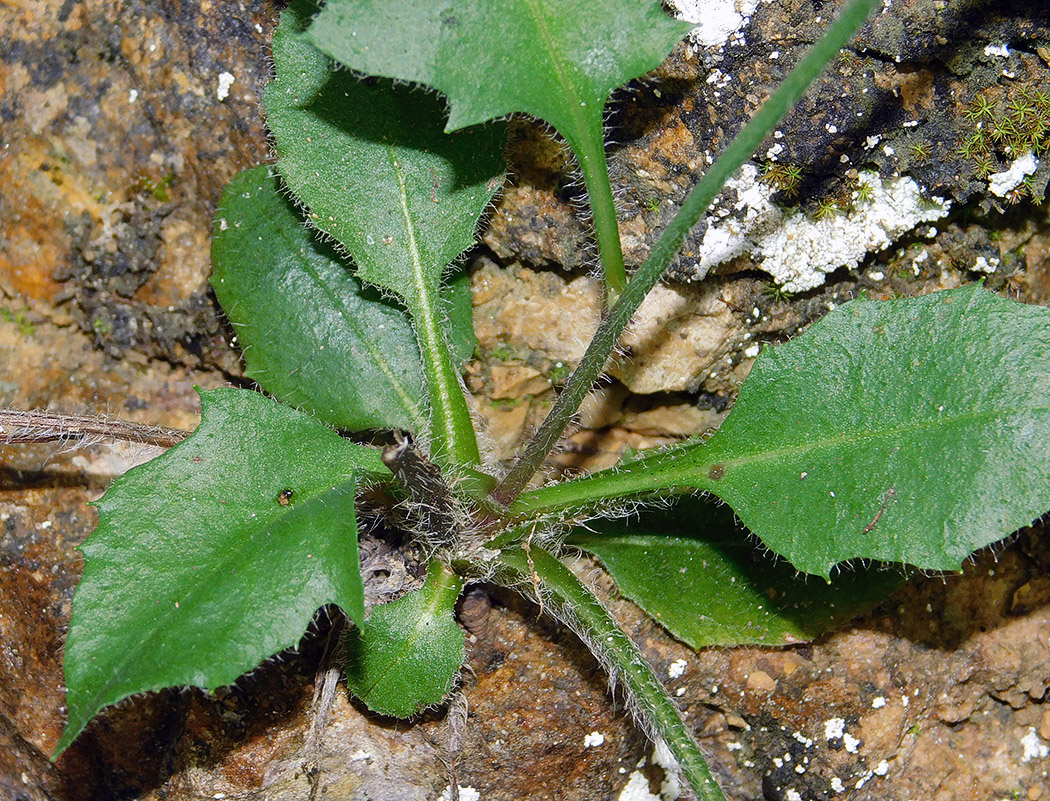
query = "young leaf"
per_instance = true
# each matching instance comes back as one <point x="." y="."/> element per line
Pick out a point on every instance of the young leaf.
<point x="311" y="335"/>
<point x="216" y="555"/>
<point x="406" y="656"/>
<point x="697" y="574"/>
<point x="372" y="164"/>
<point x="905" y="431"/>
<point x="556" y="60"/>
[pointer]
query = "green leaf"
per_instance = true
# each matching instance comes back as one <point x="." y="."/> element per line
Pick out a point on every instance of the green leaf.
<point x="371" y="162"/>
<point x="216" y="555"/>
<point x="701" y="577"/>
<point x="311" y="335"/>
<point x="459" y="310"/>
<point x="613" y="324"/>
<point x="408" y="653"/>
<point x="908" y="431"/>
<point x="556" y="60"/>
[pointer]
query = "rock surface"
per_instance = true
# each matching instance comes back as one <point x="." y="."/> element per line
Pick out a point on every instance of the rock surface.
<point x="121" y="129"/>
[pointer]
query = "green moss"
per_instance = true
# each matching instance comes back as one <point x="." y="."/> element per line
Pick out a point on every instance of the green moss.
<point x="826" y="209"/>
<point x="1033" y="188"/>
<point x="865" y="192"/>
<point x="920" y="152"/>
<point x="776" y="293"/>
<point x="156" y="187"/>
<point x="19" y="318"/>
<point x="786" y="178"/>
<point x="501" y="353"/>
<point x="1004" y="128"/>
<point x="558" y="373"/>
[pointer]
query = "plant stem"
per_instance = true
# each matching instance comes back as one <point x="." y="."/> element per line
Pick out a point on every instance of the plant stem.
<point x="681" y="468"/>
<point x="590" y="152"/>
<point x="698" y="201"/>
<point x="21" y="427"/>
<point x="442" y="586"/>
<point x="580" y="609"/>
<point x="452" y="438"/>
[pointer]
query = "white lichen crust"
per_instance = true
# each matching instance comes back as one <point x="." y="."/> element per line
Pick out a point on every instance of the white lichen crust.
<point x="716" y="20"/>
<point x="799" y="252"/>
<point x="1002" y="183"/>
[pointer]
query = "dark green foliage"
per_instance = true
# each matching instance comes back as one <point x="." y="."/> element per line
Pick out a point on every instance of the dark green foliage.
<point x="319" y="353"/>
<point x="216" y="555"/>
<point x="906" y="431"/>
<point x="909" y="432"/>
<point x="696" y="571"/>
<point x="409" y="651"/>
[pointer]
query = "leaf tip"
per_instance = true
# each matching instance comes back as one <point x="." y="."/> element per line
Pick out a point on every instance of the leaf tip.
<point x="69" y="735"/>
<point x="355" y="610"/>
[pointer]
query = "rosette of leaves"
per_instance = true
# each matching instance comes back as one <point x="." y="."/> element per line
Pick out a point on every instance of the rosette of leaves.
<point x="907" y="432"/>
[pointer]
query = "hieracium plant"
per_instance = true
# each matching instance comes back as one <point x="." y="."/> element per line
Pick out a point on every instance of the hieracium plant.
<point x="910" y="431"/>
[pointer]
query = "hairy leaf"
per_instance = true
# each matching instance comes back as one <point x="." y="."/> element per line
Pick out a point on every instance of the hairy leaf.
<point x="377" y="173"/>
<point x="215" y="555"/>
<point x="554" y="59"/>
<point x="701" y="577"/>
<point x="907" y="431"/>
<point x="371" y="162"/>
<point x="699" y="199"/>
<point x="311" y="334"/>
<point x="407" y="654"/>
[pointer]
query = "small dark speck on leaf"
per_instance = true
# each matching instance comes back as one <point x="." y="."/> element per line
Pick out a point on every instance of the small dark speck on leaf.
<point x="196" y="460"/>
<point x="716" y="472"/>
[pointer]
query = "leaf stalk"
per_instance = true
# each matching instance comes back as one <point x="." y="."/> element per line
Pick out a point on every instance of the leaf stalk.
<point x="695" y="204"/>
<point x="452" y="437"/>
<point x="577" y="606"/>
<point x="590" y="153"/>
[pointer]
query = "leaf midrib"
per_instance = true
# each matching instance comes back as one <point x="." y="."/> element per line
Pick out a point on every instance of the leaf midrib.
<point x="561" y="72"/>
<point x="854" y="438"/>
<point x="422" y="304"/>
<point x="668" y="474"/>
